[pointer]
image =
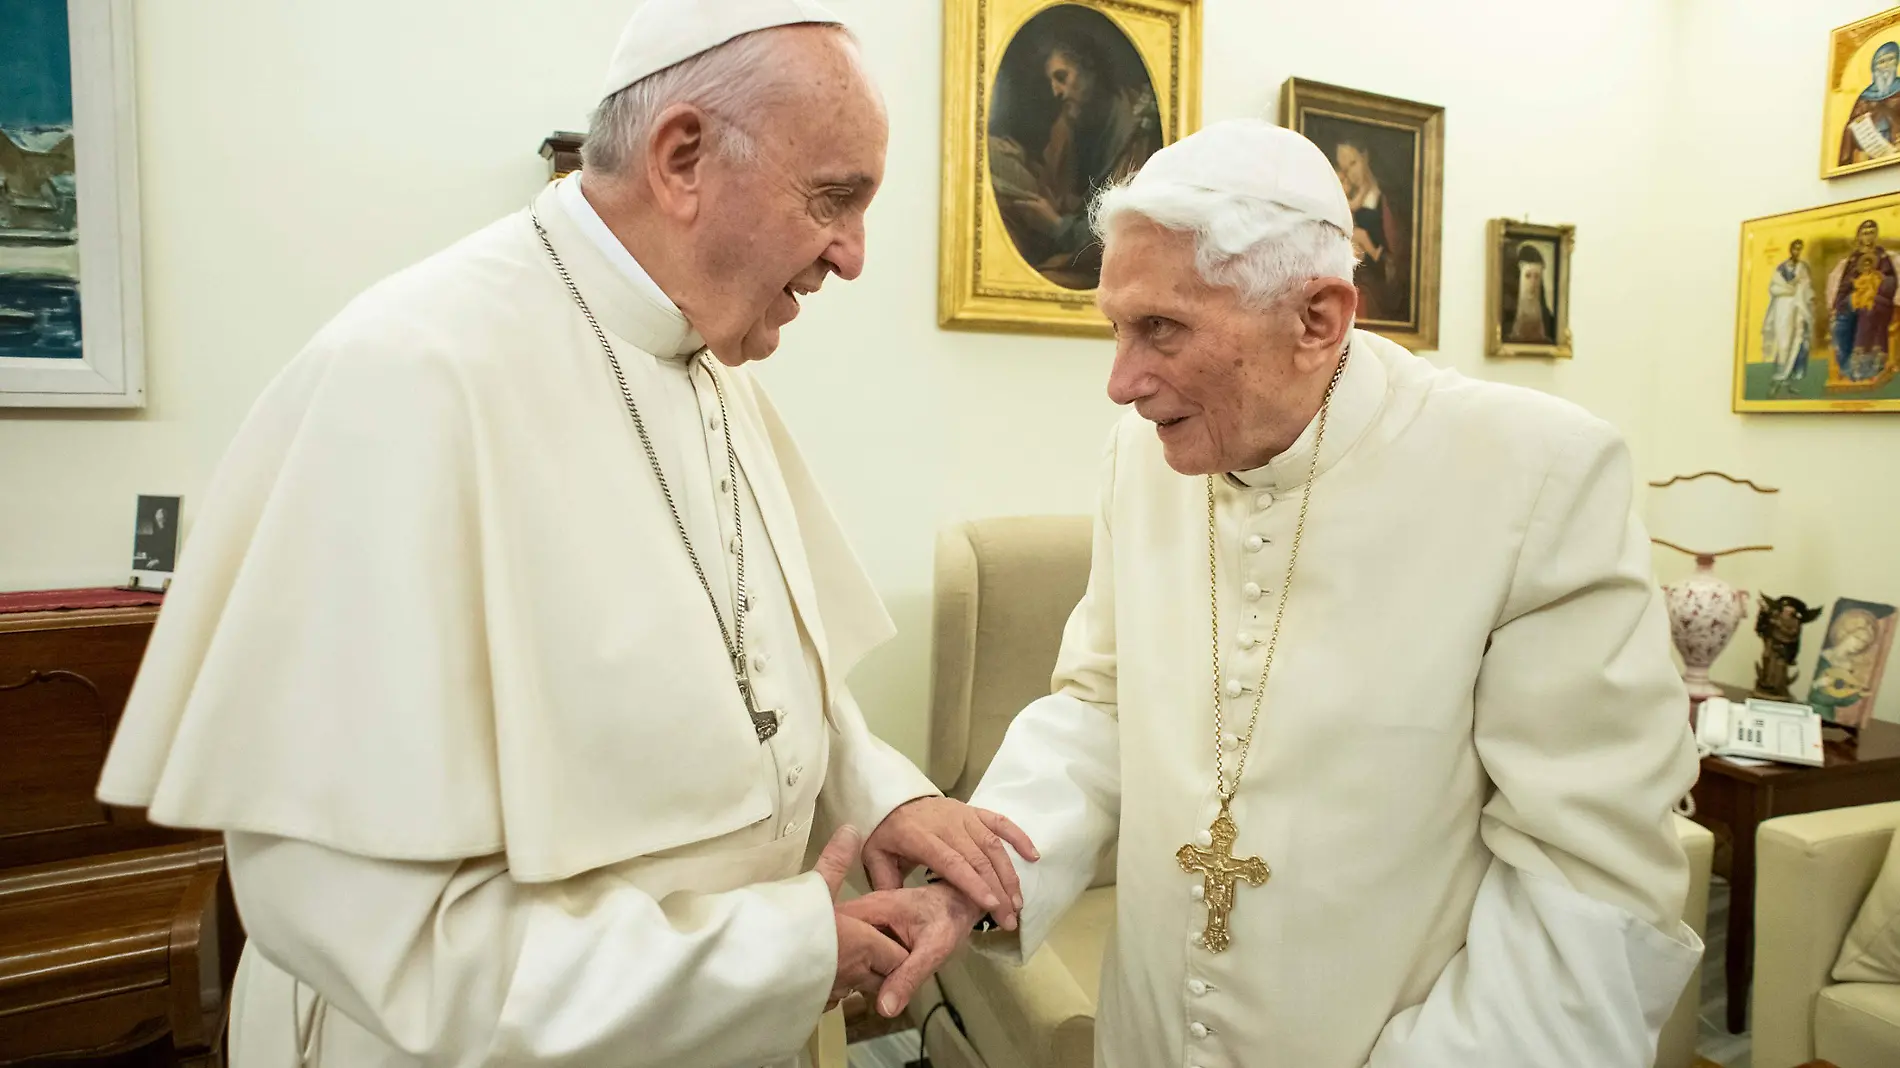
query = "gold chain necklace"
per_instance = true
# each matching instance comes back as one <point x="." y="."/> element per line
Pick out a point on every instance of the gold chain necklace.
<point x="1219" y="869"/>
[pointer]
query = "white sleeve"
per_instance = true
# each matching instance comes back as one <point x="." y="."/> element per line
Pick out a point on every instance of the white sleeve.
<point x="866" y="779"/>
<point x="1576" y="951"/>
<point x="455" y="963"/>
<point x="1057" y="774"/>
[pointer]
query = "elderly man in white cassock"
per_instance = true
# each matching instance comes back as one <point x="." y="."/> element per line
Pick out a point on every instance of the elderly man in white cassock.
<point x="1371" y="681"/>
<point x="510" y="649"/>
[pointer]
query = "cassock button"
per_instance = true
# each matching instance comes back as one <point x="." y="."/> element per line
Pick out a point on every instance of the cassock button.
<point x="1197" y="1029"/>
<point x="1255" y="543"/>
<point x="733" y="545"/>
<point x="712" y="423"/>
<point x="724" y="483"/>
<point x="1204" y="839"/>
<point x="792" y="778"/>
<point x="1197" y="987"/>
<point x="1198" y="892"/>
<point x="759" y="660"/>
<point x="1251" y="591"/>
<point x="1247" y="640"/>
<point x="1263" y="502"/>
<point x="1229" y="741"/>
<point x="1234" y="687"/>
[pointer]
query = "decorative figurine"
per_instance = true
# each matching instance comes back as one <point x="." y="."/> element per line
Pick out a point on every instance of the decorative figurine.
<point x="1779" y="626"/>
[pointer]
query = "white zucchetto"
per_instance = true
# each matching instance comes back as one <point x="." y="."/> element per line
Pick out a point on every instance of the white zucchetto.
<point x="1256" y="159"/>
<point x="664" y="32"/>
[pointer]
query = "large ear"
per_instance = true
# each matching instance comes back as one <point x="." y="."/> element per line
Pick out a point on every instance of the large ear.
<point x="673" y="156"/>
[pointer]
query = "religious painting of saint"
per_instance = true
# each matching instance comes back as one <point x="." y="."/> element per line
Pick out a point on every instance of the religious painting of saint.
<point x="1045" y="104"/>
<point x="1529" y="297"/>
<point x="1847" y="675"/>
<point x="1862" y="126"/>
<point x="1389" y="155"/>
<point x="1817" y="329"/>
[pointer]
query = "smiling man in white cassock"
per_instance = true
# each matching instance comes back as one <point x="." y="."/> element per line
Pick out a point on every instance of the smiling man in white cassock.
<point x="510" y="649"/>
<point x="1371" y="680"/>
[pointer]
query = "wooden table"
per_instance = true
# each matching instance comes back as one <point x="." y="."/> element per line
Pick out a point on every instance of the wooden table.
<point x="1733" y="801"/>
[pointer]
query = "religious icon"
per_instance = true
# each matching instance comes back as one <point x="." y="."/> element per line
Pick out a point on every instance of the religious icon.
<point x="1046" y="104"/>
<point x="1862" y="126"/>
<point x="1778" y="625"/>
<point x="1847" y="674"/>
<point x="1816" y="329"/>
<point x="1530" y="289"/>
<point x="1389" y="155"/>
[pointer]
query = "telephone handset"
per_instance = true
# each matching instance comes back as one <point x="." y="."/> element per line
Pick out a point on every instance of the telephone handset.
<point x="1763" y="730"/>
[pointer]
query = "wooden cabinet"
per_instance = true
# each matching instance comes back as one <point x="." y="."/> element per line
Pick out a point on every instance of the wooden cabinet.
<point x="114" y="934"/>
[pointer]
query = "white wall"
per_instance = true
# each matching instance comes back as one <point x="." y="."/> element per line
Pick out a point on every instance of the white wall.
<point x="1746" y="143"/>
<point x="293" y="153"/>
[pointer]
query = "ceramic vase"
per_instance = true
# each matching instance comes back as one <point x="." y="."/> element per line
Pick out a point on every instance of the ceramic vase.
<point x="1703" y="614"/>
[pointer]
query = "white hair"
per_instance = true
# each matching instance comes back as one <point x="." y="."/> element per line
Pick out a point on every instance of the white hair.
<point x="735" y="82"/>
<point x="1256" y="247"/>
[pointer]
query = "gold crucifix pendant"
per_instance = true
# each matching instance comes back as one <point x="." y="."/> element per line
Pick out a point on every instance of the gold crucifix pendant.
<point x="1220" y="872"/>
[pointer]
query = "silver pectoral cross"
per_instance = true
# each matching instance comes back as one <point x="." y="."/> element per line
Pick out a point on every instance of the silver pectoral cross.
<point x="764" y="720"/>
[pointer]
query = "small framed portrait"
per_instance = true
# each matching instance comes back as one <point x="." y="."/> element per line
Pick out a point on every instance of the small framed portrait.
<point x="1390" y="155"/>
<point x="1528" y="303"/>
<point x="1861" y="129"/>
<point x="155" y="542"/>
<point x="1815" y="326"/>
<point x="1045" y="104"/>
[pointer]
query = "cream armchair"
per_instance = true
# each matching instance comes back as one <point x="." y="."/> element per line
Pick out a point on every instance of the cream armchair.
<point x="1004" y="589"/>
<point x="1812" y="873"/>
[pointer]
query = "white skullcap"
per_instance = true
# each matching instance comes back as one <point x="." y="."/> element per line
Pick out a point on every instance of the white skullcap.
<point x="1256" y="159"/>
<point x="665" y="32"/>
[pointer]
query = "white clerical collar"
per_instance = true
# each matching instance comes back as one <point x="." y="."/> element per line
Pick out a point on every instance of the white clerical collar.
<point x="1356" y="401"/>
<point x="626" y="300"/>
<point x="591" y="224"/>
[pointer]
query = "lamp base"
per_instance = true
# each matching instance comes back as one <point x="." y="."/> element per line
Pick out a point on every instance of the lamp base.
<point x="1704" y="612"/>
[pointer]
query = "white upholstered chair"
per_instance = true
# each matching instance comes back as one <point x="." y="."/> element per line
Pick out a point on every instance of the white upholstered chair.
<point x="1004" y="589"/>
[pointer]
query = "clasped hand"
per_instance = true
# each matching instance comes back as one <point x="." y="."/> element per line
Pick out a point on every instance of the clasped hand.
<point x="892" y="940"/>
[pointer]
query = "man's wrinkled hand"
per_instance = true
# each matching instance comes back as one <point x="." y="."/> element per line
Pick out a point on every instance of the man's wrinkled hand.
<point x="931" y="921"/>
<point x="962" y="844"/>
<point x="865" y="954"/>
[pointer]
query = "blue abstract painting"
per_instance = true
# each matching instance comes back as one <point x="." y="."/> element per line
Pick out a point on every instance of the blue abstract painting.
<point x="39" y="219"/>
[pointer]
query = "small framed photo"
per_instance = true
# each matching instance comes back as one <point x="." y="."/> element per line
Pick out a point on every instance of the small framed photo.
<point x="155" y="542"/>
<point x="1862" y="111"/>
<point x="1847" y="673"/>
<point x="1529" y="293"/>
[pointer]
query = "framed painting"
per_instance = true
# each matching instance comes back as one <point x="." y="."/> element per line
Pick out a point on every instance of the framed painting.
<point x="1815" y="327"/>
<point x="1045" y="103"/>
<point x="1861" y="122"/>
<point x="1528" y="298"/>
<point x="71" y="313"/>
<point x="1390" y="155"/>
<point x="1853" y="658"/>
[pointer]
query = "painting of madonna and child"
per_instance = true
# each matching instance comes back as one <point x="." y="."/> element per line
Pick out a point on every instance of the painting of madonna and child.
<point x="1816" y="329"/>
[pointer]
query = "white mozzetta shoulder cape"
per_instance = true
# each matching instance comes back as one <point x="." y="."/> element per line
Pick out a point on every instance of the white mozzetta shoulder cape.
<point x="436" y="555"/>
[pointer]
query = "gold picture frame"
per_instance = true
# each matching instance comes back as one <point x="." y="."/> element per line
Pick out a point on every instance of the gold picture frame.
<point x="1811" y="283"/>
<point x="1861" y="115"/>
<point x="1394" y="147"/>
<point x="1021" y="78"/>
<point x="1526" y="256"/>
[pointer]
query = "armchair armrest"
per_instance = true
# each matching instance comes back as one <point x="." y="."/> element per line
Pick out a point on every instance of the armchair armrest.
<point x="1812" y="873"/>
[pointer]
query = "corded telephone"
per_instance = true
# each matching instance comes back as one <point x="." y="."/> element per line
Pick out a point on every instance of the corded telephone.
<point x="1763" y="730"/>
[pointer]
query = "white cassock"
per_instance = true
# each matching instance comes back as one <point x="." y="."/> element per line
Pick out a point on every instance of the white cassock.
<point x="437" y="663"/>
<point x="1462" y="780"/>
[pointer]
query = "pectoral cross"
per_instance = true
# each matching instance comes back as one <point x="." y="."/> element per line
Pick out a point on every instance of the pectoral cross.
<point x="1220" y="873"/>
<point x="764" y="720"/>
